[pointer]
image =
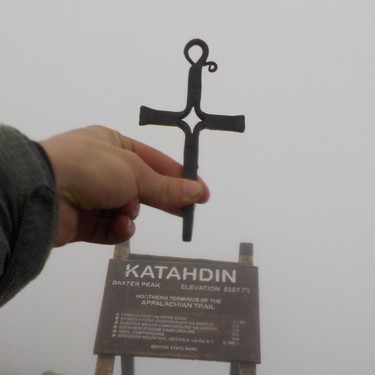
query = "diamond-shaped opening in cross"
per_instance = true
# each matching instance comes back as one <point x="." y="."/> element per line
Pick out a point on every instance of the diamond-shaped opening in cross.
<point x="192" y="119"/>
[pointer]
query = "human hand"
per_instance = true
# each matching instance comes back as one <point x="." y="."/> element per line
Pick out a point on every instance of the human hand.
<point x="103" y="176"/>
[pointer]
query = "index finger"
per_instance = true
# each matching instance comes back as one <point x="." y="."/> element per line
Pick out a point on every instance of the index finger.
<point x="157" y="160"/>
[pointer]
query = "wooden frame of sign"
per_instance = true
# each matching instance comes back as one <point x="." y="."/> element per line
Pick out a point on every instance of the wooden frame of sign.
<point x="179" y="308"/>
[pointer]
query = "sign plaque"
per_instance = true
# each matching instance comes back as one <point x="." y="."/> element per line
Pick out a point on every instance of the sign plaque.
<point x="180" y="309"/>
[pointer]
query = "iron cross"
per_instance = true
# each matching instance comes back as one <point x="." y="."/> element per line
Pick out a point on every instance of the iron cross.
<point x="208" y="121"/>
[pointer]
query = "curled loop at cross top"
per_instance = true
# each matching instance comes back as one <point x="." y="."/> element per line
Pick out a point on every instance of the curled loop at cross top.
<point x="202" y="61"/>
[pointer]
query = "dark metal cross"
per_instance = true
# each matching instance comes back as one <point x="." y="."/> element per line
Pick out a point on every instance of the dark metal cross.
<point x="208" y="121"/>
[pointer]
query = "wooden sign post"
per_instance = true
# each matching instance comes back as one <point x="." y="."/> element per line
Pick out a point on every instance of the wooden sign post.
<point x="179" y="308"/>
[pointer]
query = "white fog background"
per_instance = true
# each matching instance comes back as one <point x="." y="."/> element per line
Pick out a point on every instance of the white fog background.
<point x="299" y="183"/>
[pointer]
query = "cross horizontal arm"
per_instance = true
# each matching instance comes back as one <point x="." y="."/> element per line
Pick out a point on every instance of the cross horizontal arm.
<point x="157" y="117"/>
<point x="223" y="122"/>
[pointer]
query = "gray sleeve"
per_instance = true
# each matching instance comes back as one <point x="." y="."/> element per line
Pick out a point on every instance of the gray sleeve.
<point x="28" y="211"/>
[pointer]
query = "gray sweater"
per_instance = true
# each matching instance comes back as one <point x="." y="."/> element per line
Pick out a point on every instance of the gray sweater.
<point x="28" y="211"/>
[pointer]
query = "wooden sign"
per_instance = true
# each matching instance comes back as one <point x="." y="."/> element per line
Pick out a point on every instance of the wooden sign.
<point x="180" y="308"/>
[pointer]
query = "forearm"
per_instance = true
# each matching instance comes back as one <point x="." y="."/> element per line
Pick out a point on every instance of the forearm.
<point x="28" y="211"/>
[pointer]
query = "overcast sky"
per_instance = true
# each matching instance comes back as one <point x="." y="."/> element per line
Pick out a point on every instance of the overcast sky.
<point x="299" y="183"/>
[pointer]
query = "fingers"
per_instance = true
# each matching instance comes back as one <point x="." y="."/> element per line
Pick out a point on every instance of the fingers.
<point x="165" y="192"/>
<point x="155" y="159"/>
<point x="192" y="192"/>
<point x="117" y="229"/>
<point x="122" y="229"/>
<point x="131" y="209"/>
